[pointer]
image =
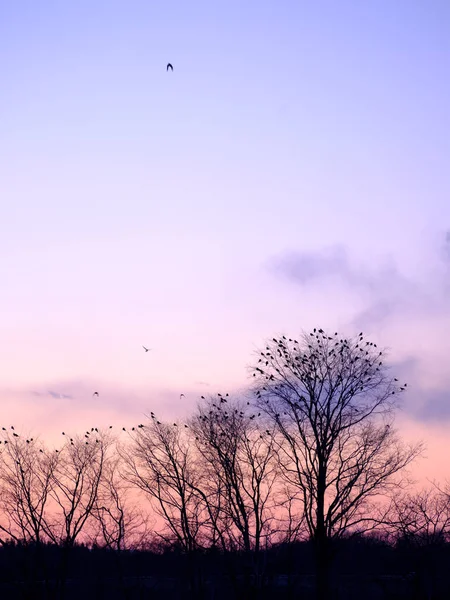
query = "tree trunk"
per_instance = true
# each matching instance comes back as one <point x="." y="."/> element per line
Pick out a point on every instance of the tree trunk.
<point x="321" y="539"/>
<point x="322" y="569"/>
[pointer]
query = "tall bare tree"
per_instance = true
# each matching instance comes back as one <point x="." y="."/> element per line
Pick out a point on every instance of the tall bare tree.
<point x="119" y="522"/>
<point x="160" y="462"/>
<point x="332" y="400"/>
<point x="76" y="481"/>
<point x="239" y="460"/>
<point x="26" y="473"/>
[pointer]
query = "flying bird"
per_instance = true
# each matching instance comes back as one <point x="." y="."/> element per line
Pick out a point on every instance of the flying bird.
<point x="182" y="396"/>
<point x="169" y="66"/>
<point x="95" y="394"/>
<point x="146" y="349"/>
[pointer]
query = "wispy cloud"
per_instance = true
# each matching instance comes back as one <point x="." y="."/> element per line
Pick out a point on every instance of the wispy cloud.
<point x="435" y="405"/>
<point x="424" y="403"/>
<point x="418" y="311"/>
<point x="446" y="248"/>
<point x="385" y="290"/>
<point x="47" y="409"/>
<point x="334" y="262"/>
<point x="53" y="394"/>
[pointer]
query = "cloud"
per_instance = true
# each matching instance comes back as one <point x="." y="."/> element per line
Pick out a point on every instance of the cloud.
<point x="385" y="290"/>
<point x="60" y="395"/>
<point x="120" y="405"/>
<point x="435" y="407"/>
<point x="422" y="402"/>
<point x="334" y="262"/>
<point x="416" y="310"/>
<point x="446" y="248"/>
<point x="306" y="267"/>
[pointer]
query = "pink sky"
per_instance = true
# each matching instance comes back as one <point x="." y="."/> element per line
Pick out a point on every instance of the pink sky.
<point x="291" y="172"/>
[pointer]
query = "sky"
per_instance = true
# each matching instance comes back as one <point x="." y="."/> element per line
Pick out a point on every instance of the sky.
<point x="291" y="172"/>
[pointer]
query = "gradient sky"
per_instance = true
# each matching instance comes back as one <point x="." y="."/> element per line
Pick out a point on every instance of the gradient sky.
<point x="292" y="172"/>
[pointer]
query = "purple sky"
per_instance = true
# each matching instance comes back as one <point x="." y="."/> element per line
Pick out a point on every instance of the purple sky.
<point x="291" y="172"/>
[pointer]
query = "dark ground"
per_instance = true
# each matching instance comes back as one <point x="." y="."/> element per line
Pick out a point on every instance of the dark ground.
<point x="363" y="569"/>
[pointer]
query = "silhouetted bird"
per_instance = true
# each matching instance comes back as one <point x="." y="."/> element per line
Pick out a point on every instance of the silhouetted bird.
<point x="169" y="66"/>
<point x="181" y="396"/>
<point x="95" y="394"/>
<point x="146" y="349"/>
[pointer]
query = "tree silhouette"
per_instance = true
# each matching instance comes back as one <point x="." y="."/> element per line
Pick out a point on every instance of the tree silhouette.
<point x="239" y="460"/>
<point x="421" y="517"/>
<point x="160" y="462"/>
<point x="332" y="400"/>
<point x="26" y="473"/>
<point x="120" y="522"/>
<point x="75" y="485"/>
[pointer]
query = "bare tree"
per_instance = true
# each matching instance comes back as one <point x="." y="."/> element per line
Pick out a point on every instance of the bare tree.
<point x="332" y="400"/>
<point x="26" y="472"/>
<point x="76" y="481"/>
<point x="422" y="517"/>
<point x="291" y="517"/>
<point x="120" y="522"/>
<point x="238" y="457"/>
<point x="160" y="462"/>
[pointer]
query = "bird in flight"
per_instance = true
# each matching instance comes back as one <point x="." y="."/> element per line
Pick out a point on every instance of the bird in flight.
<point x="95" y="394"/>
<point x="146" y="349"/>
<point x="169" y="66"/>
<point x="182" y="396"/>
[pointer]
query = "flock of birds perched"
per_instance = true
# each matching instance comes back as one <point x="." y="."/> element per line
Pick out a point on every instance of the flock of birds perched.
<point x="280" y="351"/>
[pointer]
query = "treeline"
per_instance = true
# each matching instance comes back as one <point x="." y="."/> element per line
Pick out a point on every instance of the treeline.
<point x="365" y="566"/>
<point x="309" y="454"/>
